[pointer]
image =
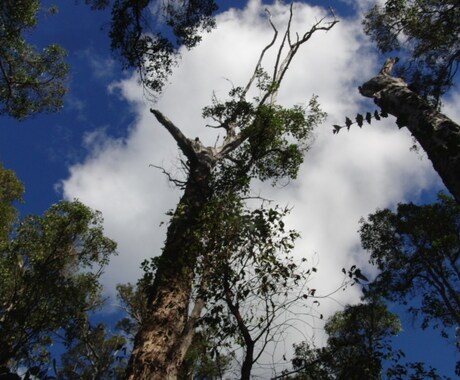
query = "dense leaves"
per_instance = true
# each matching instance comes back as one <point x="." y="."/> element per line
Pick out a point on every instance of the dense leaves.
<point x="95" y="354"/>
<point x="147" y="34"/>
<point x="426" y="31"/>
<point x="49" y="271"/>
<point x="275" y="139"/>
<point x="31" y="80"/>
<point x="358" y="342"/>
<point x="358" y="345"/>
<point x="417" y="249"/>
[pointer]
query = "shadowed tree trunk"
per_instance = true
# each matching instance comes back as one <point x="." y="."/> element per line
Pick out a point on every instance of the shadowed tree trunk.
<point x="165" y="335"/>
<point x="438" y="135"/>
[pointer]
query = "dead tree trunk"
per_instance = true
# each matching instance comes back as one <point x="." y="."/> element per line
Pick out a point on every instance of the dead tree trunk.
<point x="438" y="135"/>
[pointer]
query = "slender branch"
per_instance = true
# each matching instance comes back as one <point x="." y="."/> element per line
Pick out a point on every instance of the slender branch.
<point x="262" y="54"/>
<point x="180" y="184"/>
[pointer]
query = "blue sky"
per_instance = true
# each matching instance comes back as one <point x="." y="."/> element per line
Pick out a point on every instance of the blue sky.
<point x="99" y="147"/>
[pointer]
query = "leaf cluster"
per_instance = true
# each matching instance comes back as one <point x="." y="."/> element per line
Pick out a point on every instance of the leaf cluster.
<point x="49" y="271"/>
<point x="358" y="345"/>
<point x="247" y="277"/>
<point x="31" y="81"/>
<point x="417" y="250"/>
<point x="139" y="36"/>
<point x="274" y="139"/>
<point x="96" y="354"/>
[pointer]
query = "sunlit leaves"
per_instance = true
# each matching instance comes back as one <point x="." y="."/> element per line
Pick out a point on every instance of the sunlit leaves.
<point x="49" y="271"/>
<point x="275" y="138"/>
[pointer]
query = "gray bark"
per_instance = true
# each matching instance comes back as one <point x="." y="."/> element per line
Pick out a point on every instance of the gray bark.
<point x="438" y="135"/>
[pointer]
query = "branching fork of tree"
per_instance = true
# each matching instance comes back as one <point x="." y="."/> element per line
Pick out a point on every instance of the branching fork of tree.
<point x="263" y="140"/>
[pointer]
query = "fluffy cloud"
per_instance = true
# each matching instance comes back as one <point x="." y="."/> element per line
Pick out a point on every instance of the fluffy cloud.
<point x="344" y="176"/>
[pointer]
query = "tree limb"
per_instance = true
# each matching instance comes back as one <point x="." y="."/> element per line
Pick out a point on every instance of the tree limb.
<point x="183" y="142"/>
<point x="437" y="134"/>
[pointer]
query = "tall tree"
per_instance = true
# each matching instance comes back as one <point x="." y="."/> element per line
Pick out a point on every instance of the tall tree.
<point x="438" y="135"/>
<point x="249" y="281"/>
<point x="94" y="354"/>
<point x="263" y="140"/>
<point x="47" y="282"/>
<point x="426" y="33"/>
<point x="358" y="347"/>
<point x="31" y="80"/>
<point x="417" y="250"/>
<point x="358" y="342"/>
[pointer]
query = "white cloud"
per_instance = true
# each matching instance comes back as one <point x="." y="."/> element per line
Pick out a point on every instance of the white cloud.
<point x="344" y="176"/>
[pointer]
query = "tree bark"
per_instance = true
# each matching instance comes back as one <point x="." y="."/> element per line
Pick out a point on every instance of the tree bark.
<point x="438" y="135"/>
<point x="166" y="334"/>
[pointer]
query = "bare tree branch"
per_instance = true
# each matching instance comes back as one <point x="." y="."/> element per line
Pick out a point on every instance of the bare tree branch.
<point x="185" y="144"/>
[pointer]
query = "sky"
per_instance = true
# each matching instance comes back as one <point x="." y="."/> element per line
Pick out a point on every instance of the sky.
<point x="101" y="147"/>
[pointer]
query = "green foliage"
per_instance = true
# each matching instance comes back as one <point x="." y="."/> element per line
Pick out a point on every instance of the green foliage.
<point x="247" y="277"/>
<point x="417" y="250"/>
<point x="139" y="36"/>
<point x="359" y="343"/>
<point x="49" y="271"/>
<point x="275" y="139"/>
<point x="31" y="81"/>
<point x="427" y="33"/>
<point x="95" y="354"/>
<point x="11" y="190"/>
<point x="134" y="301"/>
<point x="202" y="361"/>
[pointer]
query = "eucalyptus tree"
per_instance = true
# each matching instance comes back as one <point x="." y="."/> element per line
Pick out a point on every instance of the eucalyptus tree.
<point x="50" y="267"/>
<point x="263" y="141"/>
<point x="417" y="250"/>
<point x="359" y="346"/>
<point x="96" y="353"/>
<point x="31" y="80"/>
<point x="249" y="282"/>
<point x="438" y="135"/>
<point x="425" y="33"/>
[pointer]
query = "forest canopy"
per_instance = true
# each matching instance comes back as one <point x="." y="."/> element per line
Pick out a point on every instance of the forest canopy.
<point x="221" y="115"/>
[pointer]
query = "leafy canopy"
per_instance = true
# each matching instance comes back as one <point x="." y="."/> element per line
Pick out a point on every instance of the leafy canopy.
<point x="147" y="34"/>
<point x="31" y="80"/>
<point x="49" y="271"/>
<point x="358" y="347"/>
<point x="417" y="250"/>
